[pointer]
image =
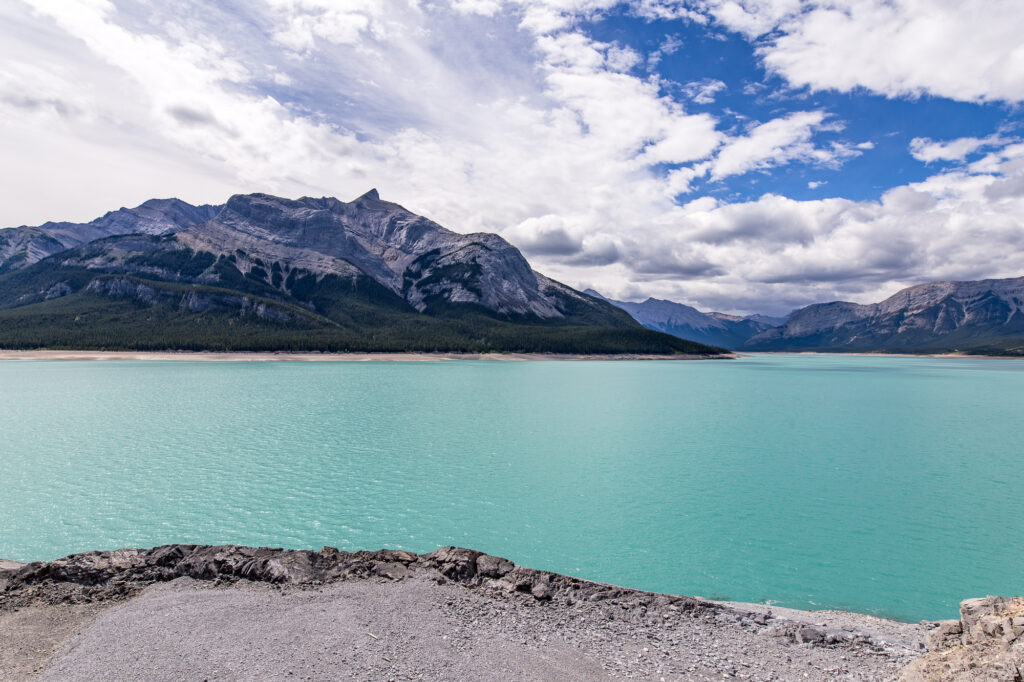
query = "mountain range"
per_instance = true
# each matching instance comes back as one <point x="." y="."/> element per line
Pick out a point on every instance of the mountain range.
<point x="265" y="273"/>
<point x="975" y="317"/>
<point x="982" y="317"/>
<point x="716" y="329"/>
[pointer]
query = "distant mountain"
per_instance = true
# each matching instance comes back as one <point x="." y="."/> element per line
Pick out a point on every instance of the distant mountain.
<point x="716" y="329"/>
<point x="263" y="273"/>
<point x="767" y="320"/>
<point x="986" y="316"/>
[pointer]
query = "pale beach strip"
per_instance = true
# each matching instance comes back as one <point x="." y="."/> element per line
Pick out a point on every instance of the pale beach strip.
<point x="231" y="356"/>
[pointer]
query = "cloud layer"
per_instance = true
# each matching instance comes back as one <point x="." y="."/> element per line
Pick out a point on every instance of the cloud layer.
<point x="510" y="117"/>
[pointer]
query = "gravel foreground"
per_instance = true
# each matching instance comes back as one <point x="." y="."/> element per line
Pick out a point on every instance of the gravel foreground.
<point x="184" y="612"/>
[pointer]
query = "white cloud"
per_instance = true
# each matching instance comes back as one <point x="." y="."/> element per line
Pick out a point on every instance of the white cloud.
<point x="774" y="254"/>
<point x="704" y="91"/>
<point x="666" y="10"/>
<point x="669" y="46"/>
<point x="815" y="184"/>
<point x="486" y="8"/>
<point x="966" y="50"/>
<point x="622" y="113"/>
<point x="303" y="22"/>
<point x="776" y="142"/>
<point x="928" y="150"/>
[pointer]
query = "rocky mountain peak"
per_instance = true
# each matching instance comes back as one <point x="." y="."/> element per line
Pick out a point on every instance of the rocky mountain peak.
<point x="414" y="257"/>
<point x="25" y="245"/>
<point x="372" y="195"/>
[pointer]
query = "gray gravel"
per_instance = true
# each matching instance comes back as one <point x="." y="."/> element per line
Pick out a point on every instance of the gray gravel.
<point x="415" y="628"/>
<point x="197" y="612"/>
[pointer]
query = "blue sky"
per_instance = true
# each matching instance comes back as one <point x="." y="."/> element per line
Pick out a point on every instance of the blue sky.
<point x="737" y="155"/>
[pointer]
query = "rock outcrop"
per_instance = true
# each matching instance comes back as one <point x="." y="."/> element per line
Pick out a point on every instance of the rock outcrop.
<point x="118" y="574"/>
<point x="987" y="643"/>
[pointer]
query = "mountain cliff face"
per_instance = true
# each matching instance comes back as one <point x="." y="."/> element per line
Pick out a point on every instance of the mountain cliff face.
<point x="677" y="319"/>
<point x="415" y="258"/>
<point x="983" y="315"/>
<point x="314" y="273"/>
<point x="23" y="246"/>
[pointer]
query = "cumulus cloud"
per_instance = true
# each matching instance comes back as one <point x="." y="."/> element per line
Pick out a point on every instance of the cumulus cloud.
<point x="966" y="50"/>
<point x="928" y="150"/>
<point x="303" y="22"/>
<point x="777" y="142"/>
<point x="774" y="254"/>
<point x="545" y="236"/>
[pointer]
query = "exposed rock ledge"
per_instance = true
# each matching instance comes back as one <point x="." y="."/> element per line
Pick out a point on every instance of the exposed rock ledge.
<point x="509" y="606"/>
<point x="987" y="643"/>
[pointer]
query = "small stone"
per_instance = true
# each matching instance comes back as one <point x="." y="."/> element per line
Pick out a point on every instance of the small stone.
<point x="542" y="590"/>
<point x="809" y="635"/>
<point x="493" y="566"/>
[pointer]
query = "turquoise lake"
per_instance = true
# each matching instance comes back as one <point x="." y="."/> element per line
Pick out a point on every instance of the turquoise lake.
<point x="883" y="485"/>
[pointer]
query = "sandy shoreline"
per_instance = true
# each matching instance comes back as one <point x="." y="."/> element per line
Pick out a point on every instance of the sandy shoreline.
<point x="209" y="356"/>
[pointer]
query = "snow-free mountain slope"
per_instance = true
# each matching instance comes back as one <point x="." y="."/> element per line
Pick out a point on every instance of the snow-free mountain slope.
<point x="686" y="322"/>
<point x="412" y="256"/>
<point x="984" y="315"/>
<point x="23" y="246"/>
<point x="262" y="272"/>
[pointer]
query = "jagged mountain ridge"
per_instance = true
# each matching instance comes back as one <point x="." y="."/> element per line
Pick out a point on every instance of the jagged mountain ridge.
<point x="306" y="273"/>
<point x="686" y="322"/>
<point x="406" y="253"/>
<point x="985" y="315"/>
<point x="25" y="245"/>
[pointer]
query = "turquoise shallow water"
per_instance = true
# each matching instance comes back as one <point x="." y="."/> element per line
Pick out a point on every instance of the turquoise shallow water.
<point x="873" y="484"/>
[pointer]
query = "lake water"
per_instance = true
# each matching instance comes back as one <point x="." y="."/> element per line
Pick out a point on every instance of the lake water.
<point x="875" y="484"/>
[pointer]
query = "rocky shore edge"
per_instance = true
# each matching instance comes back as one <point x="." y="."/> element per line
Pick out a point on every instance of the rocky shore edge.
<point x="986" y="643"/>
<point x="121" y="574"/>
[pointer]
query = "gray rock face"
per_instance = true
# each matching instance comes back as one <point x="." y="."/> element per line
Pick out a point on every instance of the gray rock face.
<point x="118" y="574"/>
<point x="156" y="217"/>
<point x="426" y="264"/>
<point x="122" y="287"/>
<point x="946" y="315"/>
<point x="325" y="255"/>
<point x="128" y="288"/>
<point x="992" y="618"/>
<point x="987" y="643"/>
<point x="23" y="246"/>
